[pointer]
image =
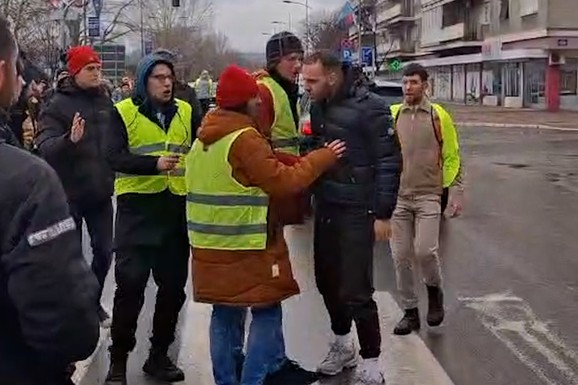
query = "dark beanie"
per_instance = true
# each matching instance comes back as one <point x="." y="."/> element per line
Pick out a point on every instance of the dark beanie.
<point x="282" y="44"/>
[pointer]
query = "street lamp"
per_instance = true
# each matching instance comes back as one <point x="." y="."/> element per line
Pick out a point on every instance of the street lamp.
<point x="307" y="9"/>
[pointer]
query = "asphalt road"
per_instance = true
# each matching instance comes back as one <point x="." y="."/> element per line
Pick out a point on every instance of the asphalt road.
<point x="510" y="275"/>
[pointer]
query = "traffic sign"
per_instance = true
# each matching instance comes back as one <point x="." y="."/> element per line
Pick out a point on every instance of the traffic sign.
<point x="346" y="44"/>
<point x="97" y="6"/>
<point x="346" y="55"/>
<point x="94" y="26"/>
<point x="148" y="47"/>
<point x="367" y="56"/>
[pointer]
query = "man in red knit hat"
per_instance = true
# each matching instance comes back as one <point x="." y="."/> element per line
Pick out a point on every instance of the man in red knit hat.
<point x="71" y="136"/>
<point x="235" y="187"/>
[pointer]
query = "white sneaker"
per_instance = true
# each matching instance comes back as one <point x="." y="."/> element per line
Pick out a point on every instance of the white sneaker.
<point x="341" y="356"/>
<point x="369" y="373"/>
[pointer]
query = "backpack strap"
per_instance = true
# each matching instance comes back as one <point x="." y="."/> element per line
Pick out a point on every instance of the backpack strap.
<point x="437" y="130"/>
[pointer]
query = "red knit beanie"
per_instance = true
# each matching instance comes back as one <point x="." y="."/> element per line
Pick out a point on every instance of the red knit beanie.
<point x="79" y="57"/>
<point x="236" y="87"/>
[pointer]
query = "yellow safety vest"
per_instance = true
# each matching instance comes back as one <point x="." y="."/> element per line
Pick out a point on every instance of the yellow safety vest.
<point x="284" y="132"/>
<point x="222" y="214"/>
<point x="147" y="138"/>
<point x="450" y="144"/>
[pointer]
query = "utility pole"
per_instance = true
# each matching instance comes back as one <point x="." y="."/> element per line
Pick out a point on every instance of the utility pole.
<point x="359" y="32"/>
<point x="307" y="26"/>
<point x="142" y="37"/>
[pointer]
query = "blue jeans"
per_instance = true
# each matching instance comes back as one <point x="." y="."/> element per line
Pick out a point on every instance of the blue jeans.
<point x="265" y="351"/>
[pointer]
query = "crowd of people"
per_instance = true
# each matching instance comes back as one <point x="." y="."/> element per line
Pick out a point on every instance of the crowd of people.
<point x="213" y="187"/>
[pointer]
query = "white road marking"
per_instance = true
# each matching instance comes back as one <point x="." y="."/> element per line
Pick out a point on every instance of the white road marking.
<point x="514" y="323"/>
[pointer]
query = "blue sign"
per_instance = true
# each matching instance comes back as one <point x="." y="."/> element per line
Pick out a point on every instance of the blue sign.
<point x="97" y="6"/>
<point x="346" y="55"/>
<point x="94" y="26"/>
<point x="367" y="56"/>
<point x="148" y="47"/>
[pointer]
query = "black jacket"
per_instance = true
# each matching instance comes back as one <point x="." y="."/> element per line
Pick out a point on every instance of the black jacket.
<point x="368" y="175"/>
<point x="6" y="132"/>
<point x="48" y="295"/>
<point x="188" y="94"/>
<point x="81" y="166"/>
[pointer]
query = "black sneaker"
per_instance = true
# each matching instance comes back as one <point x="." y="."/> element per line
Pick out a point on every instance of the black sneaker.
<point x="435" y="312"/>
<point x="117" y="371"/>
<point x="160" y="367"/>
<point x="291" y="374"/>
<point x="409" y="323"/>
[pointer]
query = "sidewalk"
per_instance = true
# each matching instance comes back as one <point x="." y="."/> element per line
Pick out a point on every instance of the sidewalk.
<point x="506" y="117"/>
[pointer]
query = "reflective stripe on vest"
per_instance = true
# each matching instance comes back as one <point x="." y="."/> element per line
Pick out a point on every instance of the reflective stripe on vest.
<point x="222" y="214"/>
<point x="147" y="138"/>
<point x="284" y="132"/>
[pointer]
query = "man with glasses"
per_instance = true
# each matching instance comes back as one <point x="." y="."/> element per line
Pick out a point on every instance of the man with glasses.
<point x="71" y="130"/>
<point x="150" y="134"/>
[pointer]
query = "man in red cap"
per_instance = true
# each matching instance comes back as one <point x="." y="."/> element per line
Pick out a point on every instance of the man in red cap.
<point x="235" y="184"/>
<point x="71" y="131"/>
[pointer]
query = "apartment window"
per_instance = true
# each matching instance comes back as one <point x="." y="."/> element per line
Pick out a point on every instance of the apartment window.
<point x="528" y="7"/>
<point x="568" y="81"/>
<point x="504" y="9"/>
<point x="485" y="14"/>
<point x="452" y="14"/>
<point x="512" y="79"/>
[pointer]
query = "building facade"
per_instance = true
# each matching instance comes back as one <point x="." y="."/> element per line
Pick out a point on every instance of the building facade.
<point x="514" y="53"/>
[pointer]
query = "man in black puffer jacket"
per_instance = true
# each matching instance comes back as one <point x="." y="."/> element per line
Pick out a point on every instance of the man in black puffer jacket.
<point x="72" y="128"/>
<point x="354" y="203"/>
<point x="48" y="312"/>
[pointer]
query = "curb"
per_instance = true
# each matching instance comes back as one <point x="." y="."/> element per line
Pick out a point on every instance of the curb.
<point x="92" y="370"/>
<point x="515" y="125"/>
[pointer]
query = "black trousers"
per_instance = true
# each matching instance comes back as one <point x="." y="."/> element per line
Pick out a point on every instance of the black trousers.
<point x="169" y="264"/>
<point x="343" y="247"/>
<point x="99" y="222"/>
<point x="205" y="105"/>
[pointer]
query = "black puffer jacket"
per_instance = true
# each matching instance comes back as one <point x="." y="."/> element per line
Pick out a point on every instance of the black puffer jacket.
<point x="48" y="294"/>
<point x="82" y="167"/>
<point x="368" y="175"/>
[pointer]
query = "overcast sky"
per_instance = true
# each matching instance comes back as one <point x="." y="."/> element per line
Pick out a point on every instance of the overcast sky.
<point x="244" y="21"/>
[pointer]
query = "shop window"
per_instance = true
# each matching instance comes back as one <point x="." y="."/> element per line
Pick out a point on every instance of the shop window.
<point x="512" y="80"/>
<point x="568" y="82"/>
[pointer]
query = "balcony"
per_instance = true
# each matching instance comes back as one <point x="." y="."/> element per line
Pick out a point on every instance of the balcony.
<point x="389" y="14"/>
<point x="402" y="11"/>
<point x="452" y="32"/>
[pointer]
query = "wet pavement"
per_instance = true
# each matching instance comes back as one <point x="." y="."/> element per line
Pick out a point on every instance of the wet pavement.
<point x="501" y="115"/>
<point x="510" y="275"/>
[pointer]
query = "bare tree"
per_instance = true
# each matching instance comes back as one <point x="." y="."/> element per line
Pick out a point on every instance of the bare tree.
<point x="325" y="31"/>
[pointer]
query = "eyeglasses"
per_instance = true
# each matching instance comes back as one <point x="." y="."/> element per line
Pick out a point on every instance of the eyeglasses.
<point x="163" y="78"/>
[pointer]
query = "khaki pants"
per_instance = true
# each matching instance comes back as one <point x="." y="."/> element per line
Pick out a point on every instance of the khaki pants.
<point x="415" y="241"/>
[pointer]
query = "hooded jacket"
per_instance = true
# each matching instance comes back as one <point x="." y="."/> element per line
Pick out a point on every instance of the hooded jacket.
<point x="244" y="278"/>
<point x="81" y="166"/>
<point x="145" y="219"/>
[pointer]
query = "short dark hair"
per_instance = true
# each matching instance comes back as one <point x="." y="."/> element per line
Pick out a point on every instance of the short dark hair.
<point x="416" y="69"/>
<point x="7" y="42"/>
<point x="328" y="59"/>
